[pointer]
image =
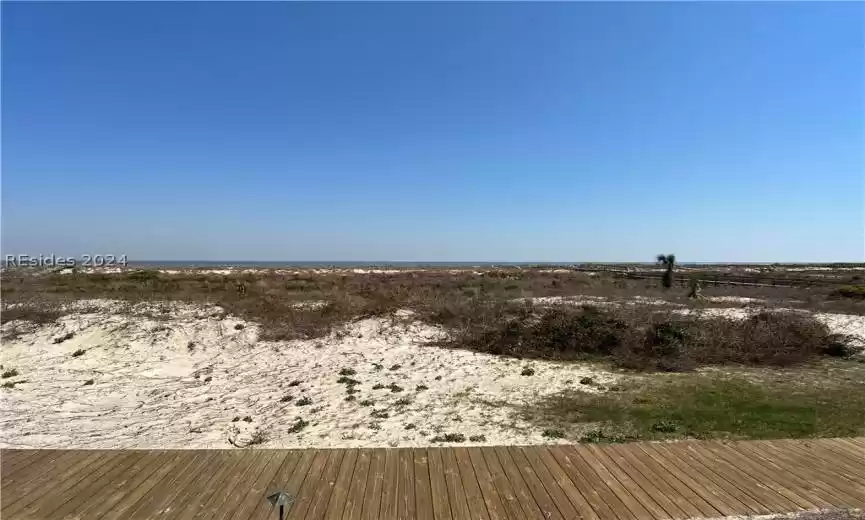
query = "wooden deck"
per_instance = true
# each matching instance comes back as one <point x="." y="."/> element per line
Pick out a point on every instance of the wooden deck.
<point x="640" y="481"/>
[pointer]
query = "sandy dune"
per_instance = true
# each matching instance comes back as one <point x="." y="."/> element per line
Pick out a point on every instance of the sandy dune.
<point x="177" y="376"/>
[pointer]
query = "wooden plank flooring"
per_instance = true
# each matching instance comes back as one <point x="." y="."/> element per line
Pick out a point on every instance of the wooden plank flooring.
<point x="639" y="481"/>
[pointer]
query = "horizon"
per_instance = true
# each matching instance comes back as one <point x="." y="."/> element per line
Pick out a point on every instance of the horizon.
<point x="453" y="130"/>
<point x="406" y="263"/>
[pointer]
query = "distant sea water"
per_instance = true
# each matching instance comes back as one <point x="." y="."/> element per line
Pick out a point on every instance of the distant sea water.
<point x="322" y="264"/>
<point x="180" y="264"/>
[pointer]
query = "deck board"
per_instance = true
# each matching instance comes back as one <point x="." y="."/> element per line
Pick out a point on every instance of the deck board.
<point x="619" y="471"/>
<point x="493" y="502"/>
<point x="613" y="505"/>
<point x="406" y="501"/>
<point x="524" y="495"/>
<point x="372" y="495"/>
<point x="311" y="484"/>
<point x="725" y="489"/>
<point x="541" y="497"/>
<point x="321" y="498"/>
<point x="553" y="489"/>
<point x="422" y="485"/>
<point x="456" y="490"/>
<point x="778" y="482"/>
<point x="828" y="483"/>
<point x="776" y="465"/>
<point x="341" y="486"/>
<point x="440" y="499"/>
<point x="639" y="481"/>
<point x="390" y="488"/>
<point x="354" y="499"/>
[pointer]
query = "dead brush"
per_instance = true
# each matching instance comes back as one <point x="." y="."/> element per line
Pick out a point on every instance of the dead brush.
<point x="647" y="339"/>
<point x="35" y="312"/>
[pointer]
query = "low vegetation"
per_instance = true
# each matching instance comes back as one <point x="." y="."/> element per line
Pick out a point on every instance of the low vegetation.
<point x="33" y="312"/>
<point x="275" y="301"/>
<point x="649" y="340"/>
<point x="705" y="406"/>
<point x="856" y="292"/>
<point x="298" y="425"/>
<point x="449" y="437"/>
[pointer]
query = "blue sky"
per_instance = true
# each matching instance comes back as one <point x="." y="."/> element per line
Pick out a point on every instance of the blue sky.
<point x="438" y="131"/>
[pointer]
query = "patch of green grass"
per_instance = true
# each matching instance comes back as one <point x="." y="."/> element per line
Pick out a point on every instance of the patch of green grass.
<point x="703" y="406"/>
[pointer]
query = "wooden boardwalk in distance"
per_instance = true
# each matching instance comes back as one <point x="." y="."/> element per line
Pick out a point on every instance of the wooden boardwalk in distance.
<point x="639" y="481"/>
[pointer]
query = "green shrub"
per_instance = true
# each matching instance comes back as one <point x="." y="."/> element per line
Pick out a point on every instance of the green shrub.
<point x="553" y="433"/>
<point x="856" y="292"/>
<point x="449" y="437"/>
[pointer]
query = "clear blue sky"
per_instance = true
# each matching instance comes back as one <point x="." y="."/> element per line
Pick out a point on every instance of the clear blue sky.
<point x="439" y="131"/>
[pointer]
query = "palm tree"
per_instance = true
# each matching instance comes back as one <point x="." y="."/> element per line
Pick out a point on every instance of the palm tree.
<point x="668" y="261"/>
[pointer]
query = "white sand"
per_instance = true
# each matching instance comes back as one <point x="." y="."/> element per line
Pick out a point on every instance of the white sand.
<point x="600" y="301"/>
<point x="175" y="376"/>
<point x="734" y="299"/>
